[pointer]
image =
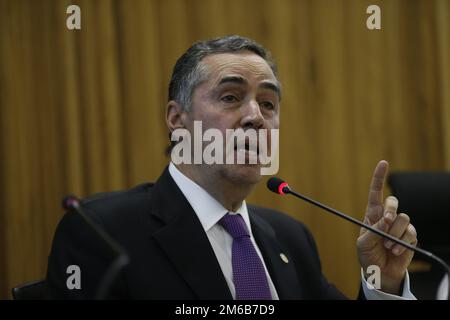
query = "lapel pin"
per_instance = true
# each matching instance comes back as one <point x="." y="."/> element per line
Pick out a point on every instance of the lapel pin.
<point x="284" y="258"/>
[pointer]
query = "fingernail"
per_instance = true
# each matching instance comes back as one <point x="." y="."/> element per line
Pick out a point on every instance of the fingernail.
<point x="396" y="251"/>
<point x="392" y="198"/>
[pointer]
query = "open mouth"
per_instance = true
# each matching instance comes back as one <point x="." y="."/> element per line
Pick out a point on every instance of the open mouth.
<point x="254" y="148"/>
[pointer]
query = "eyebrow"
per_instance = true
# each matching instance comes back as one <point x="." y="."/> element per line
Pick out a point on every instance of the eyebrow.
<point x="240" y="80"/>
<point x="232" y="79"/>
<point x="272" y="86"/>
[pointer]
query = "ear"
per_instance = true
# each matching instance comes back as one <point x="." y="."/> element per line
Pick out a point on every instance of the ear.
<point x="175" y="116"/>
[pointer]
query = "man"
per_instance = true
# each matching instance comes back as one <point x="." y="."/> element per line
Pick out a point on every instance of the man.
<point x="191" y="235"/>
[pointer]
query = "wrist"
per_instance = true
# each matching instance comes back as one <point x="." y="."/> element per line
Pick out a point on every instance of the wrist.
<point x="387" y="284"/>
<point x="392" y="286"/>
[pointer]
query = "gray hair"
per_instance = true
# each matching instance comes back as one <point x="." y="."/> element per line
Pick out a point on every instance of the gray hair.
<point x="189" y="72"/>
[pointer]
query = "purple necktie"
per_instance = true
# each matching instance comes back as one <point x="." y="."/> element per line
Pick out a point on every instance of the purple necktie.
<point x="249" y="275"/>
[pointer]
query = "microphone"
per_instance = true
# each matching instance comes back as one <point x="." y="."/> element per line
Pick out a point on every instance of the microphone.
<point x="72" y="203"/>
<point x="281" y="187"/>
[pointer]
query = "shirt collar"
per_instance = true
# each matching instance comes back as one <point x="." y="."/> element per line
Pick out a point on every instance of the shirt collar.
<point x="208" y="209"/>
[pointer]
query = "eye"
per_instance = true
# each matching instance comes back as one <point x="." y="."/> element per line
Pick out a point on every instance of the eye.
<point x="267" y="105"/>
<point x="229" y="98"/>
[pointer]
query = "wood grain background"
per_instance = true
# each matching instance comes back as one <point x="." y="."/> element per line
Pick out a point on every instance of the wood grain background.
<point x="82" y="111"/>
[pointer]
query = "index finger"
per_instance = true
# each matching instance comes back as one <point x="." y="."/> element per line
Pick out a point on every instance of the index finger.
<point x="377" y="184"/>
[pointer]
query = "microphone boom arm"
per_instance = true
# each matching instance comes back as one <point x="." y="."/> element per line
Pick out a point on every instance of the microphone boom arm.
<point x="278" y="186"/>
<point x="121" y="258"/>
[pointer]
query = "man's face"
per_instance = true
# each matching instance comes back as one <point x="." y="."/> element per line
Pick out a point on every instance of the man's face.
<point x="241" y="91"/>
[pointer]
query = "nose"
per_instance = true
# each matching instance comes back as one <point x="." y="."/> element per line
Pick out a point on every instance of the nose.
<point x="251" y="116"/>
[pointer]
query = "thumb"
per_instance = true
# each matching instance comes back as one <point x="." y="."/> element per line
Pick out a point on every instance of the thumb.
<point x="368" y="238"/>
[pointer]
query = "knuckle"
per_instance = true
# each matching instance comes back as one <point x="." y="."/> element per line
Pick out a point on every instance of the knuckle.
<point x="360" y="243"/>
<point x="412" y="230"/>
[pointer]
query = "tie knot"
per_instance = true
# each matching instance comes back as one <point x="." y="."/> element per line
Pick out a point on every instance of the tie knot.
<point x="235" y="225"/>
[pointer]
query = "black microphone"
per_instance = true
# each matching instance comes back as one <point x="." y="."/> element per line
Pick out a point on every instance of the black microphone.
<point x="281" y="187"/>
<point x="121" y="259"/>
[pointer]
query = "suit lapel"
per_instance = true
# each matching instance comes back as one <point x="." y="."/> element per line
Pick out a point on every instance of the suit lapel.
<point x="283" y="274"/>
<point x="185" y="242"/>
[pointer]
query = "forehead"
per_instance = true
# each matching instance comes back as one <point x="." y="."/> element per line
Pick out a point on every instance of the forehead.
<point x="244" y="63"/>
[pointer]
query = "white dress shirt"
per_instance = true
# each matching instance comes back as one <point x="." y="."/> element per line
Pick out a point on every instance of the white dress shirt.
<point x="443" y="289"/>
<point x="209" y="211"/>
<point x="374" y="294"/>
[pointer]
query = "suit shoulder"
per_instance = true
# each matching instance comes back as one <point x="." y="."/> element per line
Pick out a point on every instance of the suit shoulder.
<point x="113" y="198"/>
<point x="121" y="213"/>
<point x="99" y="198"/>
<point x="117" y="205"/>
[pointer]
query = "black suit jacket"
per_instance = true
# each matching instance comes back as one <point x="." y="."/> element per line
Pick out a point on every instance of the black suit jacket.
<point x="170" y="254"/>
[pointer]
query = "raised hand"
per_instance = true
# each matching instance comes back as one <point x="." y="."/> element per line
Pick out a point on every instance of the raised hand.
<point x="392" y="259"/>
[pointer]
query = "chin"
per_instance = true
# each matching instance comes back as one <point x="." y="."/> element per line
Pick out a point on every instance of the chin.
<point x="243" y="174"/>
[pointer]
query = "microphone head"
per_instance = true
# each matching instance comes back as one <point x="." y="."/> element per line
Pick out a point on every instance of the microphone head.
<point x="278" y="186"/>
<point x="70" y="202"/>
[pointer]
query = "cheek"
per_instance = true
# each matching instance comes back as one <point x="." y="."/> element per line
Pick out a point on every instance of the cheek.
<point x="273" y="123"/>
<point x="218" y="121"/>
